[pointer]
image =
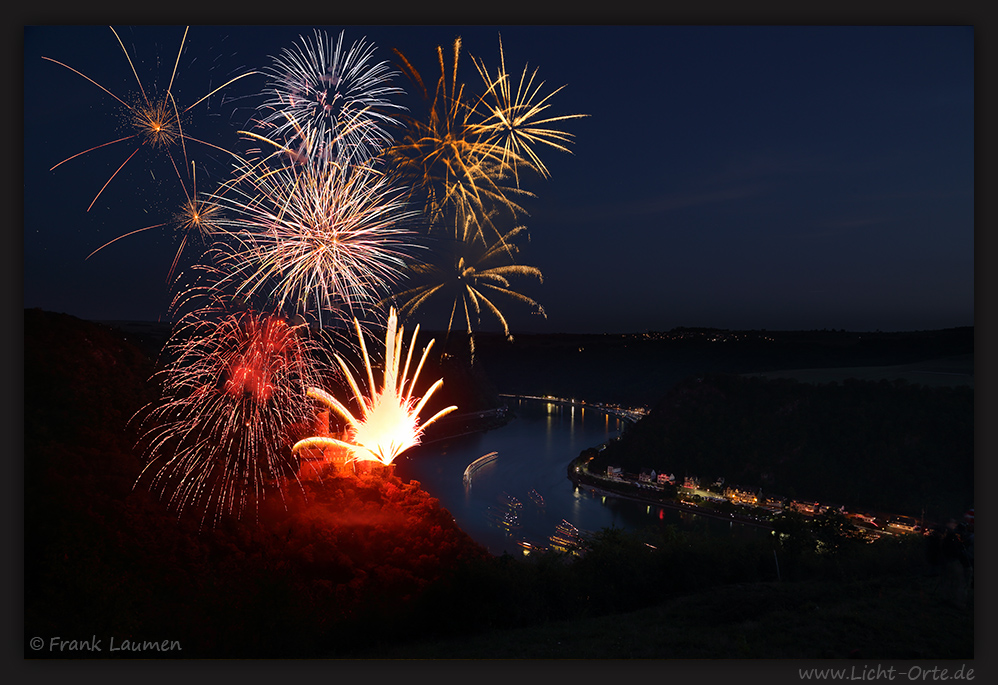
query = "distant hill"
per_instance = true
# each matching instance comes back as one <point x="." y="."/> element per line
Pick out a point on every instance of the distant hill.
<point x="638" y="369"/>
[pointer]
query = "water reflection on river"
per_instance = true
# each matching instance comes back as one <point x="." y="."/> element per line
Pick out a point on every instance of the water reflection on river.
<point x="534" y="450"/>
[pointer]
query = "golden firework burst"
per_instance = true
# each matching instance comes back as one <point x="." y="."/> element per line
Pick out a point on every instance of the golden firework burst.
<point x="388" y="420"/>
<point x="471" y="273"/>
<point x="517" y="120"/>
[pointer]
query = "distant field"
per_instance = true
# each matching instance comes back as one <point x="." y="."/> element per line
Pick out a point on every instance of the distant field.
<point x="948" y="371"/>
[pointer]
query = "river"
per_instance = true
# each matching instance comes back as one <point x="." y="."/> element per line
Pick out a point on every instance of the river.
<point x="534" y="450"/>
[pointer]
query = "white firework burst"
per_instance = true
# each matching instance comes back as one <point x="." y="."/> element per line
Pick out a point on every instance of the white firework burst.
<point x="318" y="237"/>
<point x="324" y="100"/>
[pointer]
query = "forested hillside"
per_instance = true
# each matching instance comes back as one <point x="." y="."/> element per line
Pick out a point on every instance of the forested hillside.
<point x="886" y="446"/>
<point x="365" y="566"/>
<point x="324" y="566"/>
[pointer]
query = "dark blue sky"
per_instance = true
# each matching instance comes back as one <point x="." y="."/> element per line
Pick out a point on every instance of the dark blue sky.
<point x="734" y="177"/>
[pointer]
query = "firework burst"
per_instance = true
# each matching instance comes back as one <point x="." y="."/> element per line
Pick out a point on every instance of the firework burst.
<point x="232" y="396"/>
<point x="470" y="275"/>
<point x="517" y="121"/>
<point x="448" y="156"/>
<point x="388" y="419"/>
<point x="156" y="120"/>
<point x="194" y="221"/>
<point x="324" y="100"/>
<point x="321" y="235"/>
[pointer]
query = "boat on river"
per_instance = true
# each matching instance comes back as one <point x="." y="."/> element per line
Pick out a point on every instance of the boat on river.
<point x="504" y="518"/>
<point x="536" y="498"/>
<point x="568" y="529"/>
<point x="474" y="466"/>
<point x="529" y="547"/>
<point x="508" y="500"/>
<point x="567" y="537"/>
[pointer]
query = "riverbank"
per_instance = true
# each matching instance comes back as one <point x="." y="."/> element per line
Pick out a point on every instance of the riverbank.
<point x="581" y="478"/>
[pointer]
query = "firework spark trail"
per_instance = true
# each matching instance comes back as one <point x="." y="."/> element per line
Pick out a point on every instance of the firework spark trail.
<point x="321" y="235"/>
<point x="233" y="394"/>
<point x="471" y="274"/>
<point x="322" y="98"/>
<point x="449" y="157"/>
<point x="515" y="122"/>
<point x="388" y="420"/>
<point x="156" y="122"/>
<point x="461" y="158"/>
<point x="194" y="220"/>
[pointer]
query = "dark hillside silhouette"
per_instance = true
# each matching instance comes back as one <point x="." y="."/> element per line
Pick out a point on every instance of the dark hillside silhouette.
<point x="367" y="566"/>
<point x="882" y="446"/>
<point x="336" y="560"/>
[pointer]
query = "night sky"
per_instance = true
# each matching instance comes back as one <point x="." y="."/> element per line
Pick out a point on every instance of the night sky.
<point x="736" y="177"/>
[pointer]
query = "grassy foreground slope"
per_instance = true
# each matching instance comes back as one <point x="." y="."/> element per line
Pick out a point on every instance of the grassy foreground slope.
<point x="868" y="619"/>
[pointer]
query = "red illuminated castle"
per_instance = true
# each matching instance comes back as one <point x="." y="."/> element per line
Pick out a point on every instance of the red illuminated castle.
<point x="316" y="461"/>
